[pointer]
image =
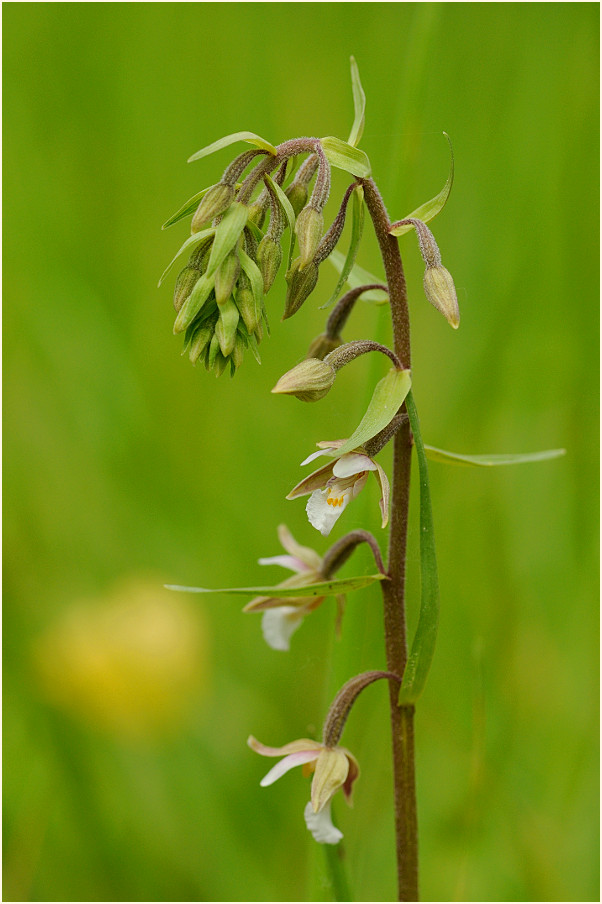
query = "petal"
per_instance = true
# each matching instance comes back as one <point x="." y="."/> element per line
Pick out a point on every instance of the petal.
<point x="289" y="762"/>
<point x="331" y="771"/>
<point x="290" y="562"/>
<point x="353" y="463"/>
<point x="323" y="516"/>
<point x="278" y="625"/>
<point x="384" y="494"/>
<point x="293" y="747"/>
<point x="313" y="456"/>
<point x="308" y="556"/>
<point x="320" y="825"/>
<point x="352" y="775"/>
<point x="314" y="482"/>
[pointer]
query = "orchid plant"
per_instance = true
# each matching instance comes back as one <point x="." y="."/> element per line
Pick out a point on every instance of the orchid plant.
<point x="267" y="212"/>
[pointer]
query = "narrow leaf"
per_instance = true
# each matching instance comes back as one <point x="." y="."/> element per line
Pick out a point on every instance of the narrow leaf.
<point x="227" y="234"/>
<point x="423" y="646"/>
<point x="386" y="400"/>
<point x="194" y="303"/>
<point x="249" y="137"/>
<point x="323" y="588"/>
<point x="359" y="103"/>
<point x="255" y="278"/>
<point x="289" y="213"/>
<point x="188" y="245"/>
<point x="186" y="209"/>
<point x="346" y="157"/>
<point x="489" y="461"/>
<point x="428" y="211"/>
<point x="357" y="227"/>
<point x="359" y="277"/>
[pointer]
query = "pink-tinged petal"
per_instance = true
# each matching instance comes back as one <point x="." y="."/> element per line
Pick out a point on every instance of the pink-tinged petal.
<point x="278" y="625"/>
<point x="293" y="747"/>
<point x="320" y="825"/>
<point x="323" y="516"/>
<point x="352" y="776"/>
<point x="353" y="463"/>
<point x="331" y="444"/>
<point x="313" y="457"/>
<point x="315" y="481"/>
<point x="384" y="497"/>
<point x="290" y="562"/>
<point x="289" y="762"/>
<point x="306" y="555"/>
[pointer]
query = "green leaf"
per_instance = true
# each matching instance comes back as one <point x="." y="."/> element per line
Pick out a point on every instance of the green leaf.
<point x="357" y="227"/>
<point x="490" y="461"/>
<point x="249" y="137"/>
<point x="359" y="277"/>
<point x="188" y="245"/>
<point x="194" y="302"/>
<point x="359" y="103"/>
<point x="289" y="213"/>
<point x="227" y="234"/>
<point x="428" y="211"/>
<point x="386" y="400"/>
<point x="255" y="278"/>
<point x="346" y="157"/>
<point x="189" y="207"/>
<point x="423" y="645"/>
<point x="323" y="588"/>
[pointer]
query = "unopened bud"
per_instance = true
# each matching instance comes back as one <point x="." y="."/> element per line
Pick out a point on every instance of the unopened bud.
<point x="301" y="284"/>
<point x="237" y="352"/>
<point x="309" y="228"/>
<point x="323" y="345"/>
<point x="225" y="328"/>
<point x="269" y="258"/>
<point x="440" y="290"/>
<point x="200" y="340"/>
<point x="248" y="307"/>
<point x="297" y="195"/>
<point x="308" y="381"/>
<point x="185" y="283"/>
<point x="225" y="278"/>
<point x="216" y="201"/>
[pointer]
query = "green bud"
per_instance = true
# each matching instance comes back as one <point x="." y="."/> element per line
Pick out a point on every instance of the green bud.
<point x="323" y="345"/>
<point x="301" y="284"/>
<point x="440" y="290"/>
<point x="269" y="258"/>
<point x="212" y="352"/>
<point x="297" y="195"/>
<point x="220" y="364"/>
<point x="238" y="351"/>
<point x="185" y="283"/>
<point x="309" y="228"/>
<point x="226" y="276"/>
<point x="248" y="307"/>
<point x="308" y="381"/>
<point x="200" y="340"/>
<point x="216" y="201"/>
<point x="225" y="328"/>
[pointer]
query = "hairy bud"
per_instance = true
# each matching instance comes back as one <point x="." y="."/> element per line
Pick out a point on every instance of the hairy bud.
<point x="269" y="258"/>
<point x="323" y="345"/>
<point x="301" y="284"/>
<point x="225" y="328"/>
<point x="185" y="283"/>
<point x="309" y="228"/>
<point x="308" y="381"/>
<point x="216" y="201"/>
<point x="225" y="278"/>
<point x="440" y="290"/>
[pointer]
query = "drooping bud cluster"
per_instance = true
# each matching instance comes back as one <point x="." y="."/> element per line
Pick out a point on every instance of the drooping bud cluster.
<point x="236" y="244"/>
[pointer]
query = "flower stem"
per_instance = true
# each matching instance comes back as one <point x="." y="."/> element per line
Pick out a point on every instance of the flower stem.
<point x="402" y="718"/>
<point x="337" y="872"/>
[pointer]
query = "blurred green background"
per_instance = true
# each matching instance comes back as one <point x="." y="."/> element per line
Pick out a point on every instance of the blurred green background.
<point x="127" y="708"/>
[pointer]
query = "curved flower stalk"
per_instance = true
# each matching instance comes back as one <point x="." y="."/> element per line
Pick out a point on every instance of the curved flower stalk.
<point x="283" y="615"/>
<point x="333" y="768"/>
<point x="333" y="486"/>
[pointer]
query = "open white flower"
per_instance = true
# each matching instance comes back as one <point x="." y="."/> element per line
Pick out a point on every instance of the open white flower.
<point x="332" y="768"/>
<point x="283" y="615"/>
<point x="333" y="486"/>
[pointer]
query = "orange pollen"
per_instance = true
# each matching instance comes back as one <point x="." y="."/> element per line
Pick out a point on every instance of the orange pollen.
<point x="337" y="501"/>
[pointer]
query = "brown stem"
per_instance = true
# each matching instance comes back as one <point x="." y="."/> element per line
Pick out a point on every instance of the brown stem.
<point x="402" y="727"/>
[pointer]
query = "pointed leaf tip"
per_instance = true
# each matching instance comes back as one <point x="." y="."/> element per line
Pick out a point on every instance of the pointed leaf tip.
<point x="430" y="209"/>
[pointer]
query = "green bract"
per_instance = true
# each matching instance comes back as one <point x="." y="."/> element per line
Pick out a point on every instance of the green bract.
<point x="249" y="137"/>
<point x="346" y="157"/>
<point x="359" y="103"/>
<point x="323" y="588"/>
<point x="386" y="400"/>
<point x="430" y="210"/>
<point x="359" y="277"/>
<point x="490" y="461"/>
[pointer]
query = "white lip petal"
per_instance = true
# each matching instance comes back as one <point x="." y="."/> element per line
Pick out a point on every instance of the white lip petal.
<point x="353" y="463"/>
<point x="321" y="515"/>
<point x="320" y="825"/>
<point x="279" y="624"/>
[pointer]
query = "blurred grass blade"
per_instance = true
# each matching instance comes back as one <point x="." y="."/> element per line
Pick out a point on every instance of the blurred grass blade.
<point x="289" y="213"/>
<point x="188" y="245"/>
<point x="430" y="210"/>
<point x="490" y="461"/>
<point x="359" y="103"/>
<point x="359" y="277"/>
<point x="321" y="588"/>
<point x="227" y="234"/>
<point x="386" y="400"/>
<point x="346" y="157"/>
<point x="249" y="137"/>
<point x="423" y="646"/>
<point x="357" y="228"/>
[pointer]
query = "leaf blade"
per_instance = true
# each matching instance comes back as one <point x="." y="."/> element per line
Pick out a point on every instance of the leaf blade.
<point x="423" y="645"/>
<point x="388" y="397"/>
<point x="359" y="277"/>
<point x="490" y="461"/>
<point x="359" y="104"/>
<point x="321" y="588"/>
<point x="342" y="155"/>
<point x="191" y="242"/>
<point x="249" y="137"/>
<point x="430" y="209"/>
<point x="227" y="234"/>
